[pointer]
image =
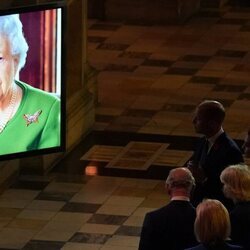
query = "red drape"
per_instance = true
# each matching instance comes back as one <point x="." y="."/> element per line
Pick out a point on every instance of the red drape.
<point x="40" y="32"/>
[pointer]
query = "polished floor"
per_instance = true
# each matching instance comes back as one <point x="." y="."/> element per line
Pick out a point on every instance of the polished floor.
<point x="150" y="80"/>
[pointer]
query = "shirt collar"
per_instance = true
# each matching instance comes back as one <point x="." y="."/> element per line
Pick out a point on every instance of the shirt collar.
<point x="212" y="139"/>
<point x="180" y="198"/>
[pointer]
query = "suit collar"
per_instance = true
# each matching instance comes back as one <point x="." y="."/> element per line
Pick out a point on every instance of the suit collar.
<point x="212" y="139"/>
<point x="180" y="198"/>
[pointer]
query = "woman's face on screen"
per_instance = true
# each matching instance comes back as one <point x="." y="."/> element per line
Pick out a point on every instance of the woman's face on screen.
<point x="8" y="66"/>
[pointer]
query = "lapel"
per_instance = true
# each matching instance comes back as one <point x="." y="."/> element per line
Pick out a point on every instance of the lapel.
<point x="217" y="144"/>
<point x="204" y="154"/>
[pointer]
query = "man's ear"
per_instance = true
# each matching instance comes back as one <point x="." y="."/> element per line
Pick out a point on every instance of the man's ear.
<point x="168" y="189"/>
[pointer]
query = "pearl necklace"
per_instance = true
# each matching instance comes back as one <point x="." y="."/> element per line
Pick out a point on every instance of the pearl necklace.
<point x="9" y="111"/>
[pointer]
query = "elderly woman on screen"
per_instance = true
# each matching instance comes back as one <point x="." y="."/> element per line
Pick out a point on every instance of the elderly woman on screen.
<point x="236" y="180"/>
<point x="29" y="117"/>
<point x="212" y="226"/>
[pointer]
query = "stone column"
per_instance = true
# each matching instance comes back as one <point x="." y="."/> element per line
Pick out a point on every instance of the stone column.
<point x="81" y="77"/>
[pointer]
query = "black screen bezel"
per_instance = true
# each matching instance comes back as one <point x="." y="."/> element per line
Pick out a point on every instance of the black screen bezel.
<point x="62" y="146"/>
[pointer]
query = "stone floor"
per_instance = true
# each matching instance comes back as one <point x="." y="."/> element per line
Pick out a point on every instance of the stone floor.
<point x="150" y="80"/>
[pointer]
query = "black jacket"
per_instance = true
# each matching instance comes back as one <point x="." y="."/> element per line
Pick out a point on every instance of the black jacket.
<point x="170" y="227"/>
<point x="240" y="224"/>
<point x="223" y="153"/>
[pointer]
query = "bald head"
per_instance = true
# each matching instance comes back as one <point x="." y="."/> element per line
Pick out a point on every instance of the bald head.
<point x="212" y="110"/>
<point x="180" y="178"/>
<point x="208" y="118"/>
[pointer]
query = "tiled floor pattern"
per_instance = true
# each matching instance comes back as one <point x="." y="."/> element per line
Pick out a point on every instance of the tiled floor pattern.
<point x="65" y="212"/>
<point x="77" y="212"/>
<point x="124" y="154"/>
<point x="137" y="155"/>
<point x="150" y="80"/>
<point x="152" y="77"/>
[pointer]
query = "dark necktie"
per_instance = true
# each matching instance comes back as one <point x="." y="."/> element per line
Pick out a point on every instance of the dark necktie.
<point x="204" y="153"/>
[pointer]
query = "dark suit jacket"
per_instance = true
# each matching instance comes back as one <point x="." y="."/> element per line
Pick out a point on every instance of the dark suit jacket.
<point x="223" y="246"/>
<point x="170" y="227"/>
<point x="223" y="153"/>
<point x="240" y="224"/>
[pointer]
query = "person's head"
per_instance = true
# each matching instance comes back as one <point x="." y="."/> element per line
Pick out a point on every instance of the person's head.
<point x="236" y="180"/>
<point x="208" y="118"/>
<point x="212" y="223"/>
<point x="13" y="50"/>
<point x="180" y="181"/>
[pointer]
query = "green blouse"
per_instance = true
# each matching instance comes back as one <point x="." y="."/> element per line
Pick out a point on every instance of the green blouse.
<point x="36" y="124"/>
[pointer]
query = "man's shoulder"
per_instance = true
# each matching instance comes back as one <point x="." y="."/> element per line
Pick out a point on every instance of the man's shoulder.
<point x="225" y="138"/>
<point x="157" y="211"/>
<point x="227" y="144"/>
<point x="231" y="246"/>
<point x="227" y="150"/>
<point x="225" y="246"/>
<point x="171" y="208"/>
<point x="198" y="247"/>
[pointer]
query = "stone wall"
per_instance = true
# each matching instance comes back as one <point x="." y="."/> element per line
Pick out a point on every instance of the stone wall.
<point x="144" y="11"/>
<point x="152" y="12"/>
<point x="213" y="3"/>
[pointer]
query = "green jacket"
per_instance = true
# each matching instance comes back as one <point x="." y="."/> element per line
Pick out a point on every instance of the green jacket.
<point x="36" y="124"/>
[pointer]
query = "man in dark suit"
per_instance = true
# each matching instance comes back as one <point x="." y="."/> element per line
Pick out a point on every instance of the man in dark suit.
<point x="172" y="226"/>
<point x="215" y="151"/>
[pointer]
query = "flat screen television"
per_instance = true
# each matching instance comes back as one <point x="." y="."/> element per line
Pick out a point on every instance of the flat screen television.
<point x="32" y="80"/>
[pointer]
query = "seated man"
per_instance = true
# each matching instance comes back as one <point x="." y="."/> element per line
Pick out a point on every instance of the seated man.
<point x="214" y="153"/>
<point x="171" y="227"/>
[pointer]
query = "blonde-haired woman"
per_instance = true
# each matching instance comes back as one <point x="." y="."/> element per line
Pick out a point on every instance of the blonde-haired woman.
<point x="212" y="226"/>
<point x="236" y="180"/>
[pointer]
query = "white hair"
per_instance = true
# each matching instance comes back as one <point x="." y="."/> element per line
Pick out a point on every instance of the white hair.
<point x="180" y="178"/>
<point x="12" y="28"/>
